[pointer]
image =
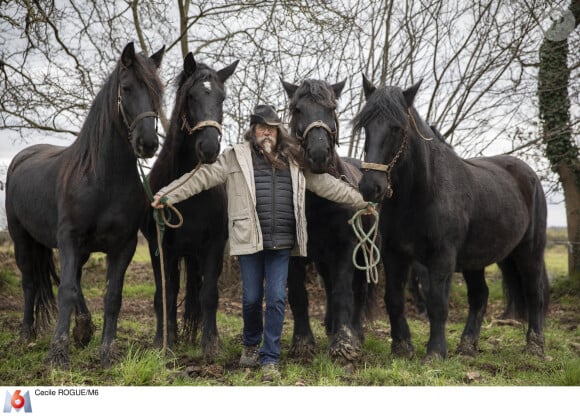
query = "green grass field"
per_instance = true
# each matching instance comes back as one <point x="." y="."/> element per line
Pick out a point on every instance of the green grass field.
<point x="500" y="362"/>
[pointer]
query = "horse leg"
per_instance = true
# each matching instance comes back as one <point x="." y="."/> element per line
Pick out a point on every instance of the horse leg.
<point x="360" y="290"/>
<point x="68" y="298"/>
<point x="417" y="278"/>
<point x="477" y="295"/>
<point x="117" y="263"/>
<point x="328" y="279"/>
<point x="396" y="272"/>
<point x="171" y="292"/>
<point x="440" y="269"/>
<point x="209" y="299"/>
<point x="344" y="344"/>
<point x="84" y="328"/>
<point x="532" y="271"/>
<point x="27" y="252"/>
<point x="302" y="338"/>
<point x="192" y="314"/>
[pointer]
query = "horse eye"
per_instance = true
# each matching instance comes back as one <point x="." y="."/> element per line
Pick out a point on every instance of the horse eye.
<point x="126" y="88"/>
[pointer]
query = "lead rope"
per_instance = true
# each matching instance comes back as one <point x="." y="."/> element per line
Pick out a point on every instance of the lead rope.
<point x="162" y="220"/>
<point x="366" y="244"/>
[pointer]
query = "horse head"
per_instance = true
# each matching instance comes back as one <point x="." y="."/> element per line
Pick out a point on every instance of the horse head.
<point x="199" y="106"/>
<point x="314" y="121"/>
<point x="386" y="119"/>
<point x="139" y="93"/>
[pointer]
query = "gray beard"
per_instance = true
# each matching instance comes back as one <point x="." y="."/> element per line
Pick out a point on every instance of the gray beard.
<point x="267" y="145"/>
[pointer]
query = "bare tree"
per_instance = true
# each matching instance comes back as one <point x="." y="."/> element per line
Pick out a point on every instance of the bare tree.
<point x="479" y="60"/>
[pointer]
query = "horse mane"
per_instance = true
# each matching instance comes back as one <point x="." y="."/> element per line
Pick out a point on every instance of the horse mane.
<point x="103" y="119"/>
<point x="320" y="92"/>
<point x="386" y="103"/>
<point x="166" y="159"/>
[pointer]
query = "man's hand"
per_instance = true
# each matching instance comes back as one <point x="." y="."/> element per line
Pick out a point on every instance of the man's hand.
<point x="159" y="202"/>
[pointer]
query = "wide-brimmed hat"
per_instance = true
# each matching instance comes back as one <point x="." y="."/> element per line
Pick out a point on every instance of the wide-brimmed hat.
<point x="265" y="114"/>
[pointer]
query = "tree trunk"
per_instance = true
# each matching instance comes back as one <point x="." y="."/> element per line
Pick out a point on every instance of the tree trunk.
<point x="561" y="150"/>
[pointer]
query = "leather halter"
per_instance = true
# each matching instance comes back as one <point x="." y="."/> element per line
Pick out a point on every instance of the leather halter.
<point x="389" y="166"/>
<point x="319" y="123"/>
<point x="131" y="126"/>
<point x="200" y="126"/>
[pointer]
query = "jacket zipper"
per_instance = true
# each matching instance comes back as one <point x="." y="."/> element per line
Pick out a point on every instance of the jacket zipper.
<point x="274" y="207"/>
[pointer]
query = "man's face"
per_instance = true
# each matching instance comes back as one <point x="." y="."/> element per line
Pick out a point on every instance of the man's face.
<point x="266" y="137"/>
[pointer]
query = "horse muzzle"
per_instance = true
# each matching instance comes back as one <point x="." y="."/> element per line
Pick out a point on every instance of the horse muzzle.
<point x="373" y="186"/>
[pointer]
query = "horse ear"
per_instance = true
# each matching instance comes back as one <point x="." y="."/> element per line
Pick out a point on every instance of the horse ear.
<point x="157" y="57"/>
<point x="227" y="72"/>
<point x="189" y="64"/>
<point x="128" y="55"/>
<point x="368" y="86"/>
<point x="338" y="87"/>
<point x="289" y="88"/>
<point x="410" y="93"/>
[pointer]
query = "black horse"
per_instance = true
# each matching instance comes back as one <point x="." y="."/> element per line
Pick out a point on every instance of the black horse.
<point x="82" y="199"/>
<point x="450" y="214"/>
<point x="193" y="137"/>
<point x="331" y="240"/>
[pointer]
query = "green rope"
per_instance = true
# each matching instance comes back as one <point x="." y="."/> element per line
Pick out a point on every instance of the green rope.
<point x="366" y="244"/>
<point x="163" y="216"/>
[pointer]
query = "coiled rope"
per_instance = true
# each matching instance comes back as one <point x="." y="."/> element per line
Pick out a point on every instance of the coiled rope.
<point x="367" y="244"/>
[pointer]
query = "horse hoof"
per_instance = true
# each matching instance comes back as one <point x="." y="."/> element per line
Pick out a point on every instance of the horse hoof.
<point x="59" y="356"/>
<point x="83" y="330"/>
<point x="302" y="348"/>
<point x="402" y="349"/>
<point x="158" y="341"/>
<point x="109" y="354"/>
<point x="433" y="356"/>
<point x="27" y="334"/>
<point x="535" y="344"/>
<point x="344" y="346"/>
<point x="467" y="348"/>
<point x="211" y="349"/>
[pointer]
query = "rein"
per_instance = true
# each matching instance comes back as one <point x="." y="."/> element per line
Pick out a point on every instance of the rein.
<point x="131" y="126"/>
<point x="388" y="168"/>
<point x="200" y="126"/>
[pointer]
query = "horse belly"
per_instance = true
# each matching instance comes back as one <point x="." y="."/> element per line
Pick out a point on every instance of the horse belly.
<point x="491" y="243"/>
<point x="31" y="196"/>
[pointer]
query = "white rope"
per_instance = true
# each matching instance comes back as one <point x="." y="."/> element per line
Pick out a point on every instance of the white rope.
<point x="367" y="244"/>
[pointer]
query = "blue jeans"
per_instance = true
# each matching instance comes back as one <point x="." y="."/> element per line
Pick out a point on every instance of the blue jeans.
<point x="270" y="266"/>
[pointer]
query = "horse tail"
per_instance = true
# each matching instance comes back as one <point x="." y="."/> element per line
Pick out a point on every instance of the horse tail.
<point x="516" y="306"/>
<point x="534" y="242"/>
<point x="43" y="275"/>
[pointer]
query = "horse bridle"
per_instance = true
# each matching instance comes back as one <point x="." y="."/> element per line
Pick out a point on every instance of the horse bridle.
<point x="319" y="123"/>
<point x="388" y="168"/>
<point x="131" y="126"/>
<point x="200" y="126"/>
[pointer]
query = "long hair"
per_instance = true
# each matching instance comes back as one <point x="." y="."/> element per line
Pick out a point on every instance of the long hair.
<point x="287" y="148"/>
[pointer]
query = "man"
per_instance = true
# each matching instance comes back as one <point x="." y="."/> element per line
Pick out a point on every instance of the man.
<point x="266" y="189"/>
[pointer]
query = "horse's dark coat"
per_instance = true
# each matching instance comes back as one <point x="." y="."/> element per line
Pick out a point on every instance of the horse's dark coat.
<point x="201" y="240"/>
<point x="85" y="198"/>
<point x="331" y="240"/>
<point x="451" y="214"/>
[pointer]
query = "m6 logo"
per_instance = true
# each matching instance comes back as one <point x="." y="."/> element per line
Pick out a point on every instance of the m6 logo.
<point x="17" y="402"/>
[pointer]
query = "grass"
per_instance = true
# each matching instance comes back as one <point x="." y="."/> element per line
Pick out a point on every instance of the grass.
<point x="500" y="361"/>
